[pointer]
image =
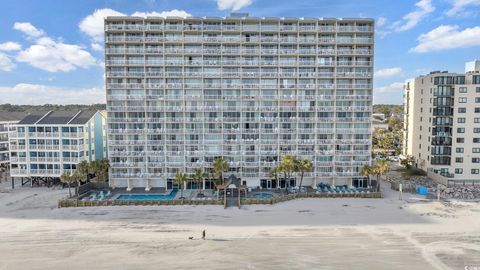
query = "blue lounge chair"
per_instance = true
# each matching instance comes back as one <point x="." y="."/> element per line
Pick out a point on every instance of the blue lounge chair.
<point x="101" y="197"/>
<point x="109" y="193"/>
<point x="93" y="197"/>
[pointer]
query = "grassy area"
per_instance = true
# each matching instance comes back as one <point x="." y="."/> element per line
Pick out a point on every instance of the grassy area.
<point x="411" y="172"/>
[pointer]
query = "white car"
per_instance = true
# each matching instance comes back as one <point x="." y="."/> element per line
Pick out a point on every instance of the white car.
<point x="394" y="158"/>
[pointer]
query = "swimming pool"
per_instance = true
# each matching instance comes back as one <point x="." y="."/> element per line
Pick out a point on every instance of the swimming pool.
<point x="263" y="195"/>
<point x="148" y="197"/>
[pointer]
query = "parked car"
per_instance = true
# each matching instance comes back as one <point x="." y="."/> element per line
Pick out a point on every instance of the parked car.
<point x="394" y="158"/>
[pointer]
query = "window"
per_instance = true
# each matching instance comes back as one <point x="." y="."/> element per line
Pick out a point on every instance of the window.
<point x="476" y="150"/>
<point x="477" y="109"/>
<point x="462" y="110"/>
<point x="477" y="100"/>
<point x="461" y="120"/>
<point x="460" y="140"/>
<point x="459" y="150"/>
<point x="458" y="170"/>
<point x="462" y="100"/>
<point x="475" y="160"/>
<point x="476" y="130"/>
<point x="477" y="89"/>
<point x="462" y="90"/>
<point x="476" y="79"/>
<point x="476" y="120"/>
<point x="460" y="130"/>
<point x="475" y="171"/>
<point x="476" y="140"/>
<point x="459" y="160"/>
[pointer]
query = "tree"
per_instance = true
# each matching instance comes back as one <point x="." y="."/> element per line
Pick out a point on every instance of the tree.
<point x="386" y="143"/>
<point x="3" y="170"/>
<point x="395" y="123"/>
<point x="220" y="165"/>
<point x="367" y="171"/>
<point x="302" y="166"/>
<point x="407" y="162"/>
<point x="83" y="168"/>
<point x="287" y="166"/>
<point x="381" y="168"/>
<point x="180" y="180"/>
<point x="77" y="177"/>
<point x="100" y="169"/>
<point x="68" y="179"/>
<point x="274" y="174"/>
<point x="198" y="176"/>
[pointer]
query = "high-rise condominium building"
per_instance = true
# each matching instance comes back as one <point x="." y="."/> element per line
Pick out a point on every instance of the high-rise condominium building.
<point x="47" y="144"/>
<point x="442" y="124"/>
<point x="181" y="92"/>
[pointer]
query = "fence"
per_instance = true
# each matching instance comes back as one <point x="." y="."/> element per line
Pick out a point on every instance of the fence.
<point x="283" y="198"/>
<point x="277" y="199"/>
<point x="77" y="203"/>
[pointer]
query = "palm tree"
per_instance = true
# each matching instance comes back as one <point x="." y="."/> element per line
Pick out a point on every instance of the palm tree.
<point x="100" y="169"/>
<point x="198" y="176"/>
<point x="77" y="177"/>
<point x="367" y="171"/>
<point x="220" y="165"/>
<point x="67" y="178"/>
<point x="83" y="168"/>
<point x="287" y="165"/>
<point x="274" y="174"/>
<point x="382" y="167"/>
<point x="180" y="180"/>
<point x="303" y="165"/>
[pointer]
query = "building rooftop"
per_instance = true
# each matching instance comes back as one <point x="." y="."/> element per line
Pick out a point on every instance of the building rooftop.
<point x="238" y="16"/>
<point x="58" y="118"/>
<point x="11" y="116"/>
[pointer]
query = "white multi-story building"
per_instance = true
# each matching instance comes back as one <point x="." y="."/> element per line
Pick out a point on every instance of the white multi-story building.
<point x="47" y="144"/>
<point x="442" y="124"/>
<point x="7" y="121"/>
<point x="181" y="92"/>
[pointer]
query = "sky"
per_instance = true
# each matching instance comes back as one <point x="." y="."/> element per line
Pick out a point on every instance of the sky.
<point x="51" y="51"/>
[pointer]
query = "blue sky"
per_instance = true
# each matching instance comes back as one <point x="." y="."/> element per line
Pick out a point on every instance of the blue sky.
<point x="51" y="50"/>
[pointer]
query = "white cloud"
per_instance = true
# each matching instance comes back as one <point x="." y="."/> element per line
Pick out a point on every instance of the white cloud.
<point x="5" y="63"/>
<point x="27" y="28"/>
<point x="92" y="25"/>
<point x="50" y="55"/>
<point x="447" y="37"/>
<point x="458" y="7"/>
<point x="233" y="4"/>
<point x="171" y="13"/>
<point x="36" y="94"/>
<point x="96" y="47"/>
<point x="10" y="46"/>
<point x="394" y="87"/>
<point x="410" y="20"/>
<point x="388" y="72"/>
<point x="381" y="21"/>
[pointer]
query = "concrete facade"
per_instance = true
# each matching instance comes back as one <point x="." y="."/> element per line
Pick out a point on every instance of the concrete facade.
<point x="181" y="92"/>
<point x="442" y="124"/>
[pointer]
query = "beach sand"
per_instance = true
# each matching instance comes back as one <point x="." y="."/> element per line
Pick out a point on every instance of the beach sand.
<point x="301" y="234"/>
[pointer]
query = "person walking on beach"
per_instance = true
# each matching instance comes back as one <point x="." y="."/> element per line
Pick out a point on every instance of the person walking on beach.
<point x="203" y="235"/>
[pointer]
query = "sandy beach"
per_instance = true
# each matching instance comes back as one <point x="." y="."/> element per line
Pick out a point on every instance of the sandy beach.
<point x="302" y="234"/>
